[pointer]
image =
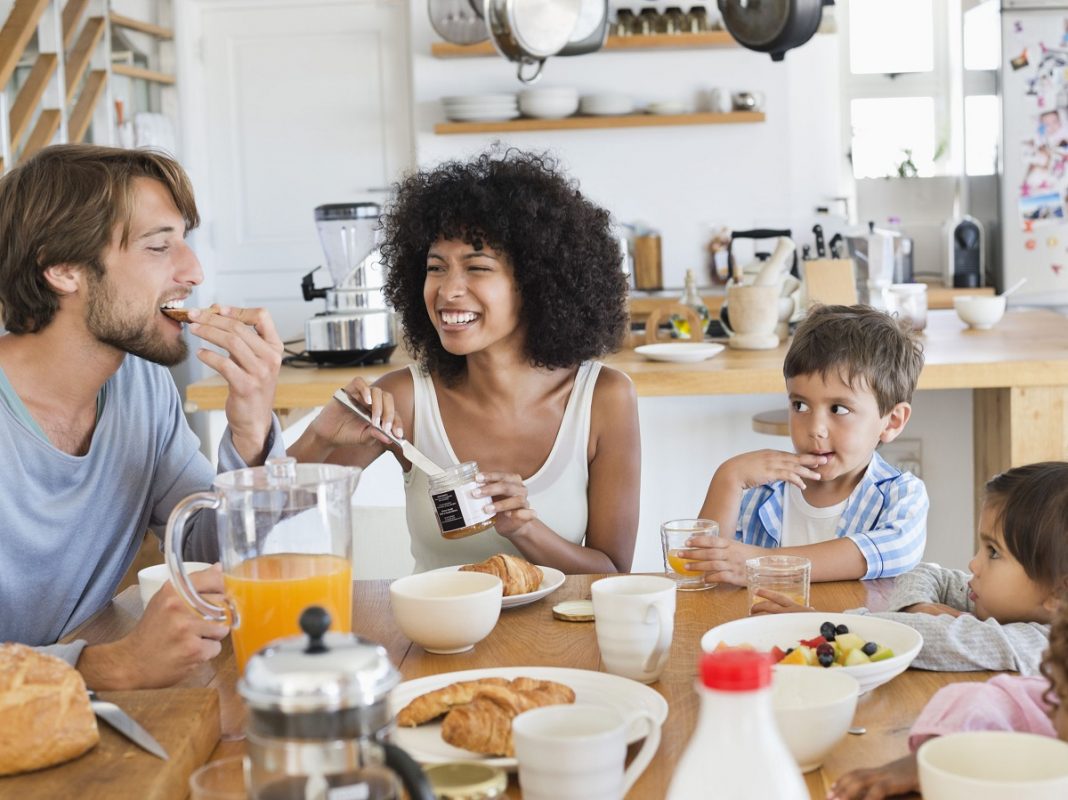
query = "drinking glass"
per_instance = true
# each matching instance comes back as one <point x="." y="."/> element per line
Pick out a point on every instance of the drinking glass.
<point x="219" y="780"/>
<point x="673" y="537"/>
<point x="788" y="575"/>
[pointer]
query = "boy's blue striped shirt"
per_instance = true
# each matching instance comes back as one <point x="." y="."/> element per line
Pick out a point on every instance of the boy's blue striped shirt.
<point x="886" y="515"/>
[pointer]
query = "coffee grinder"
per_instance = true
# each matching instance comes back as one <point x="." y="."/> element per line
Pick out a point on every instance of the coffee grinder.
<point x="357" y="326"/>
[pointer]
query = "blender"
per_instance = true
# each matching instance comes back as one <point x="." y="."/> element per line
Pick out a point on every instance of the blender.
<point x="357" y="326"/>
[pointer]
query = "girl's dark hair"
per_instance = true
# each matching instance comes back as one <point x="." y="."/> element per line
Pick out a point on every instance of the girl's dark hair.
<point x="1032" y="510"/>
<point x="567" y="262"/>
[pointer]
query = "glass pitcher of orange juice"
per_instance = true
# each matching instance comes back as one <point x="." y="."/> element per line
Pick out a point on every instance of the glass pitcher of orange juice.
<point x="285" y="542"/>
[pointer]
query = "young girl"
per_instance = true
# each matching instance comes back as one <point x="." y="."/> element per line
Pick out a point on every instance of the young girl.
<point x="508" y="283"/>
<point x="997" y="617"/>
<point x="1007" y="702"/>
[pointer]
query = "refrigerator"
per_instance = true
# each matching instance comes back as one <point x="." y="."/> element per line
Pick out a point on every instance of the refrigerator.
<point x="1034" y="157"/>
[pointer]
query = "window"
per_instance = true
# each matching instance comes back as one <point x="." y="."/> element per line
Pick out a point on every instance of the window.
<point x="920" y="86"/>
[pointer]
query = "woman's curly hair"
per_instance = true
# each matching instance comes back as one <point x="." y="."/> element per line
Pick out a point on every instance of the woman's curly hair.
<point x="567" y="262"/>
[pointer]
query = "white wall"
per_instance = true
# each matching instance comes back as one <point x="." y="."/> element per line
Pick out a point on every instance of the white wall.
<point x="686" y="181"/>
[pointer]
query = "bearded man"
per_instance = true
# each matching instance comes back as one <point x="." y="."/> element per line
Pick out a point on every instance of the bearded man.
<point x="95" y="448"/>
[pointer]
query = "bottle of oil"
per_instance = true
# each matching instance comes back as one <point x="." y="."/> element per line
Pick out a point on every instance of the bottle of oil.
<point x="692" y="299"/>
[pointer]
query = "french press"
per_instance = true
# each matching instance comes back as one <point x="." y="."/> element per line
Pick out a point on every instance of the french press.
<point x="319" y="719"/>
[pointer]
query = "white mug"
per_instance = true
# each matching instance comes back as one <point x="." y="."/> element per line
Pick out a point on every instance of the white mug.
<point x="719" y="100"/>
<point x="634" y="616"/>
<point x="577" y="752"/>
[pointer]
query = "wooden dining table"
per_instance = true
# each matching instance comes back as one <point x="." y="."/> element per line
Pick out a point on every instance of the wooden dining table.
<point x="531" y="636"/>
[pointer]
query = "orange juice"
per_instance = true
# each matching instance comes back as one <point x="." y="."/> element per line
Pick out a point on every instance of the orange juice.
<point x="680" y="564"/>
<point x="269" y="593"/>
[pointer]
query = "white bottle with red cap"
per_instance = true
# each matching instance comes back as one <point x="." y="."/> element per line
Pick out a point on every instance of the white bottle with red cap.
<point x="736" y="752"/>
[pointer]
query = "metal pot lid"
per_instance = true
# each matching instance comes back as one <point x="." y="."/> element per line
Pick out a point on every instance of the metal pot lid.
<point x="756" y="24"/>
<point x="457" y="21"/>
<point x="319" y="671"/>
<point x="541" y="28"/>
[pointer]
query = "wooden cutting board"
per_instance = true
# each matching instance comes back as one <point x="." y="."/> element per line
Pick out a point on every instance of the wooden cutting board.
<point x="184" y="721"/>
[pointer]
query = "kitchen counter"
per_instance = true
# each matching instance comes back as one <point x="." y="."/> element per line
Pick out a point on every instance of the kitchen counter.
<point x="1018" y="372"/>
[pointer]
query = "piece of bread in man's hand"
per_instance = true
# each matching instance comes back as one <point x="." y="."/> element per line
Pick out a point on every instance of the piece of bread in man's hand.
<point x="45" y="711"/>
<point x="180" y="314"/>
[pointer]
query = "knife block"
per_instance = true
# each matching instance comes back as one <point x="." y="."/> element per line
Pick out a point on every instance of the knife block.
<point x="830" y="281"/>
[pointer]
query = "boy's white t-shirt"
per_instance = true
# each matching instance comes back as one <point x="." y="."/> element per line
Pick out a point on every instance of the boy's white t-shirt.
<point x="805" y="524"/>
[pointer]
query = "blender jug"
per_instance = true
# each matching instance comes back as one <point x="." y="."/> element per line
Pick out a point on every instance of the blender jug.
<point x="285" y="542"/>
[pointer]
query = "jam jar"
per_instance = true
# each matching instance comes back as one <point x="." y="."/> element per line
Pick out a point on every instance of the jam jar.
<point x="459" y="514"/>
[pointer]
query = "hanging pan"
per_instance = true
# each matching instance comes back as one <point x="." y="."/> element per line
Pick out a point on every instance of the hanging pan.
<point x="456" y="21"/>
<point x="772" y="26"/>
<point x="529" y="31"/>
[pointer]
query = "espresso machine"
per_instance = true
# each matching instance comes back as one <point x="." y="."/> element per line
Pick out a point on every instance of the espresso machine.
<point x="357" y="326"/>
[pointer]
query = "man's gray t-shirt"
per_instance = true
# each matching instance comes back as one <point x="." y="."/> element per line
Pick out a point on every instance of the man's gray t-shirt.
<point x="70" y="526"/>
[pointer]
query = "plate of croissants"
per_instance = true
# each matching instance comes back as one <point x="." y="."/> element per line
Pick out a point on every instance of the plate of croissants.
<point x="523" y="582"/>
<point x="467" y="716"/>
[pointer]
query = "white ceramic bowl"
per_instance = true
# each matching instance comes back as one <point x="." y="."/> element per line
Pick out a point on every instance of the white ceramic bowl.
<point x="785" y="630"/>
<point x="606" y="103"/>
<point x="548" y="103"/>
<point x="151" y="579"/>
<point x="993" y="765"/>
<point x="814" y="709"/>
<point x="446" y="612"/>
<point x="979" y="312"/>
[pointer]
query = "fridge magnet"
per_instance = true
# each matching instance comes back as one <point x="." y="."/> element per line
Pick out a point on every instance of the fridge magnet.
<point x="1042" y="209"/>
<point x="1017" y="27"/>
<point x="1030" y="244"/>
<point x="1056" y="268"/>
<point x="1020" y="61"/>
<point x="1051" y="241"/>
<point x="1029" y="226"/>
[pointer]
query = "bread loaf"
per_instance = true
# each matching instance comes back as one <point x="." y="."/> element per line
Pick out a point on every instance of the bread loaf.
<point x="45" y="716"/>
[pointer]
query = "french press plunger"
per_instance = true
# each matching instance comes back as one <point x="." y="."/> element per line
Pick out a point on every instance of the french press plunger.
<point x="319" y="719"/>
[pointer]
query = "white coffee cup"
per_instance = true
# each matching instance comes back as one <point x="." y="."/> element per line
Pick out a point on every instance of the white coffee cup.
<point x="993" y="765"/>
<point x="577" y="752"/>
<point x="634" y="616"/>
<point x="151" y="579"/>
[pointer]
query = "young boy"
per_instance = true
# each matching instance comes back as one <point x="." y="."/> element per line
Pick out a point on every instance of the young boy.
<point x="850" y="373"/>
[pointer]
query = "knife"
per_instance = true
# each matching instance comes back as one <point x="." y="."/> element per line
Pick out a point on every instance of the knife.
<point x="821" y="251"/>
<point x="407" y="448"/>
<point x="836" y="245"/>
<point x="126" y="725"/>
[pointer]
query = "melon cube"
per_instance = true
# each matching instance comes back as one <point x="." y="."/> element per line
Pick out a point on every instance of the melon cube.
<point x="882" y="653"/>
<point x="849" y="641"/>
<point x="856" y="657"/>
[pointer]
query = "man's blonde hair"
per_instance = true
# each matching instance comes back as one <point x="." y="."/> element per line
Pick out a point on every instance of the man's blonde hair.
<point x="61" y="207"/>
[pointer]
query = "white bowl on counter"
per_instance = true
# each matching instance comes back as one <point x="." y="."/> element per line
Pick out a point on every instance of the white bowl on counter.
<point x="813" y="708"/>
<point x="446" y="612"/>
<point x="981" y="313"/>
<point x="606" y="104"/>
<point x="549" y="103"/>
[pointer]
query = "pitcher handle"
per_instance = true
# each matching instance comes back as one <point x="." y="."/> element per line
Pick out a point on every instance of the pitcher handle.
<point x="648" y="749"/>
<point x="173" y="548"/>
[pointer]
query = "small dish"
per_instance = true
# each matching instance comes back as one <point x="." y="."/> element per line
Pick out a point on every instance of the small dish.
<point x="666" y="107"/>
<point x="552" y="579"/>
<point x="681" y="352"/>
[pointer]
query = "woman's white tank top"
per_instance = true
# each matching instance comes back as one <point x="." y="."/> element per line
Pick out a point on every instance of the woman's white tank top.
<point x="557" y="491"/>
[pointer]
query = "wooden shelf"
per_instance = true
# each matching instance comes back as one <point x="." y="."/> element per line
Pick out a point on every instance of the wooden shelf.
<point x="15" y="34"/>
<point x="577" y="123"/>
<point x="132" y="24"/>
<point x="78" y="59"/>
<point x="82" y="115"/>
<point x="659" y="41"/>
<point x="30" y="94"/>
<point x="143" y="74"/>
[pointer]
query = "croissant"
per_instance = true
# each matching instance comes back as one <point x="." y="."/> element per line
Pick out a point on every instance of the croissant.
<point x="518" y="575"/>
<point x="485" y="724"/>
<point x="433" y="704"/>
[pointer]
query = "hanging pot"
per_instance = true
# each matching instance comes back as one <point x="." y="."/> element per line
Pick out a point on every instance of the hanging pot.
<point x="590" y="31"/>
<point x="529" y="31"/>
<point x="456" y="21"/>
<point x="772" y="26"/>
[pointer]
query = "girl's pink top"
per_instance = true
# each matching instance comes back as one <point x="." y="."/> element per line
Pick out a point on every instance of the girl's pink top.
<point x="1004" y="703"/>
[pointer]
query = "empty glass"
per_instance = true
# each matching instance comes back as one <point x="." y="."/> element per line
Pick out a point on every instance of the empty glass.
<point x="219" y="780"/>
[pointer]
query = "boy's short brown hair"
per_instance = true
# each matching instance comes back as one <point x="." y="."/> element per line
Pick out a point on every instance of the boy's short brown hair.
<point x="864" y="346"/>
<point x="60" y="207"/>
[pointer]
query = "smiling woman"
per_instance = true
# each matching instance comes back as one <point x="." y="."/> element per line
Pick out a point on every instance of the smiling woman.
<point x="508" y="283"/>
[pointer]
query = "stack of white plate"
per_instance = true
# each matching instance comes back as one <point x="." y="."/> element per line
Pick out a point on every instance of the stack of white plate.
<point x="667" y="107"/>
<point x="481" y="107"/>
<point x="549" y="103"/>
<point x="606" y="104"/>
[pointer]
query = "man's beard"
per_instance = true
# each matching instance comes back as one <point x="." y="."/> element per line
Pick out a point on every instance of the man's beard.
<point x="139" y="337"/>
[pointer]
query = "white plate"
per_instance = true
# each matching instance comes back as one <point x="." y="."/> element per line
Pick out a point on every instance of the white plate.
<point x="679" y="351"/>
<point x="552" y="579"/>
<point x="481" y="116"/>
<point x="479" y="98"/>
<point x="426" y="746"/>
<point x="785" y="630"/>
<point x="666" y="107"/>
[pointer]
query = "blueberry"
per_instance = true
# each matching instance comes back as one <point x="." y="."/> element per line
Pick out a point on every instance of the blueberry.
<point x="841" y="629"/>
<point x="825" y="659"/>
<point x="825" y="648"/>
<point x="869" y="648"/>
<point x="788" y="651"/>
<point x="827" y="631"/>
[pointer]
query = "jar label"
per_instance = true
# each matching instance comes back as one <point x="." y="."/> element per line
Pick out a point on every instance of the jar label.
<point x="458" y="510"/>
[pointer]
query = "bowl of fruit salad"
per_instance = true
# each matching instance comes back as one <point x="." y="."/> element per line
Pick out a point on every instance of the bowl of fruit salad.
<point x="871" y="649"/>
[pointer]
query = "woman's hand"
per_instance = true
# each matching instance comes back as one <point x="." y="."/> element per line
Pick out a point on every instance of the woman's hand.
<point x="339" y="426"/>
<point x="776" y="603"/>
<point x="509" y="501"/>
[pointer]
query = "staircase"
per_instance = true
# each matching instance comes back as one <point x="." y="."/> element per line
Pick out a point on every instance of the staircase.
<point x="71" y="73"/>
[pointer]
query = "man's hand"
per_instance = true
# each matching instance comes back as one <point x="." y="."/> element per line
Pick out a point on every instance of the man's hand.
<point x="168" y="644"/>
<point x="776" y="603"/>
<point x="935" y="609"/>
<point x="749" y="470"/>
<point x="721" y="559"/>
<point x="250" y="367"/>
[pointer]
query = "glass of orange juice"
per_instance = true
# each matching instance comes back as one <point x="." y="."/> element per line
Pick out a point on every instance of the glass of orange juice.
<point x="788" y="575"/>
<point x="284" y="537"/>
<point x="673" y="538"/>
